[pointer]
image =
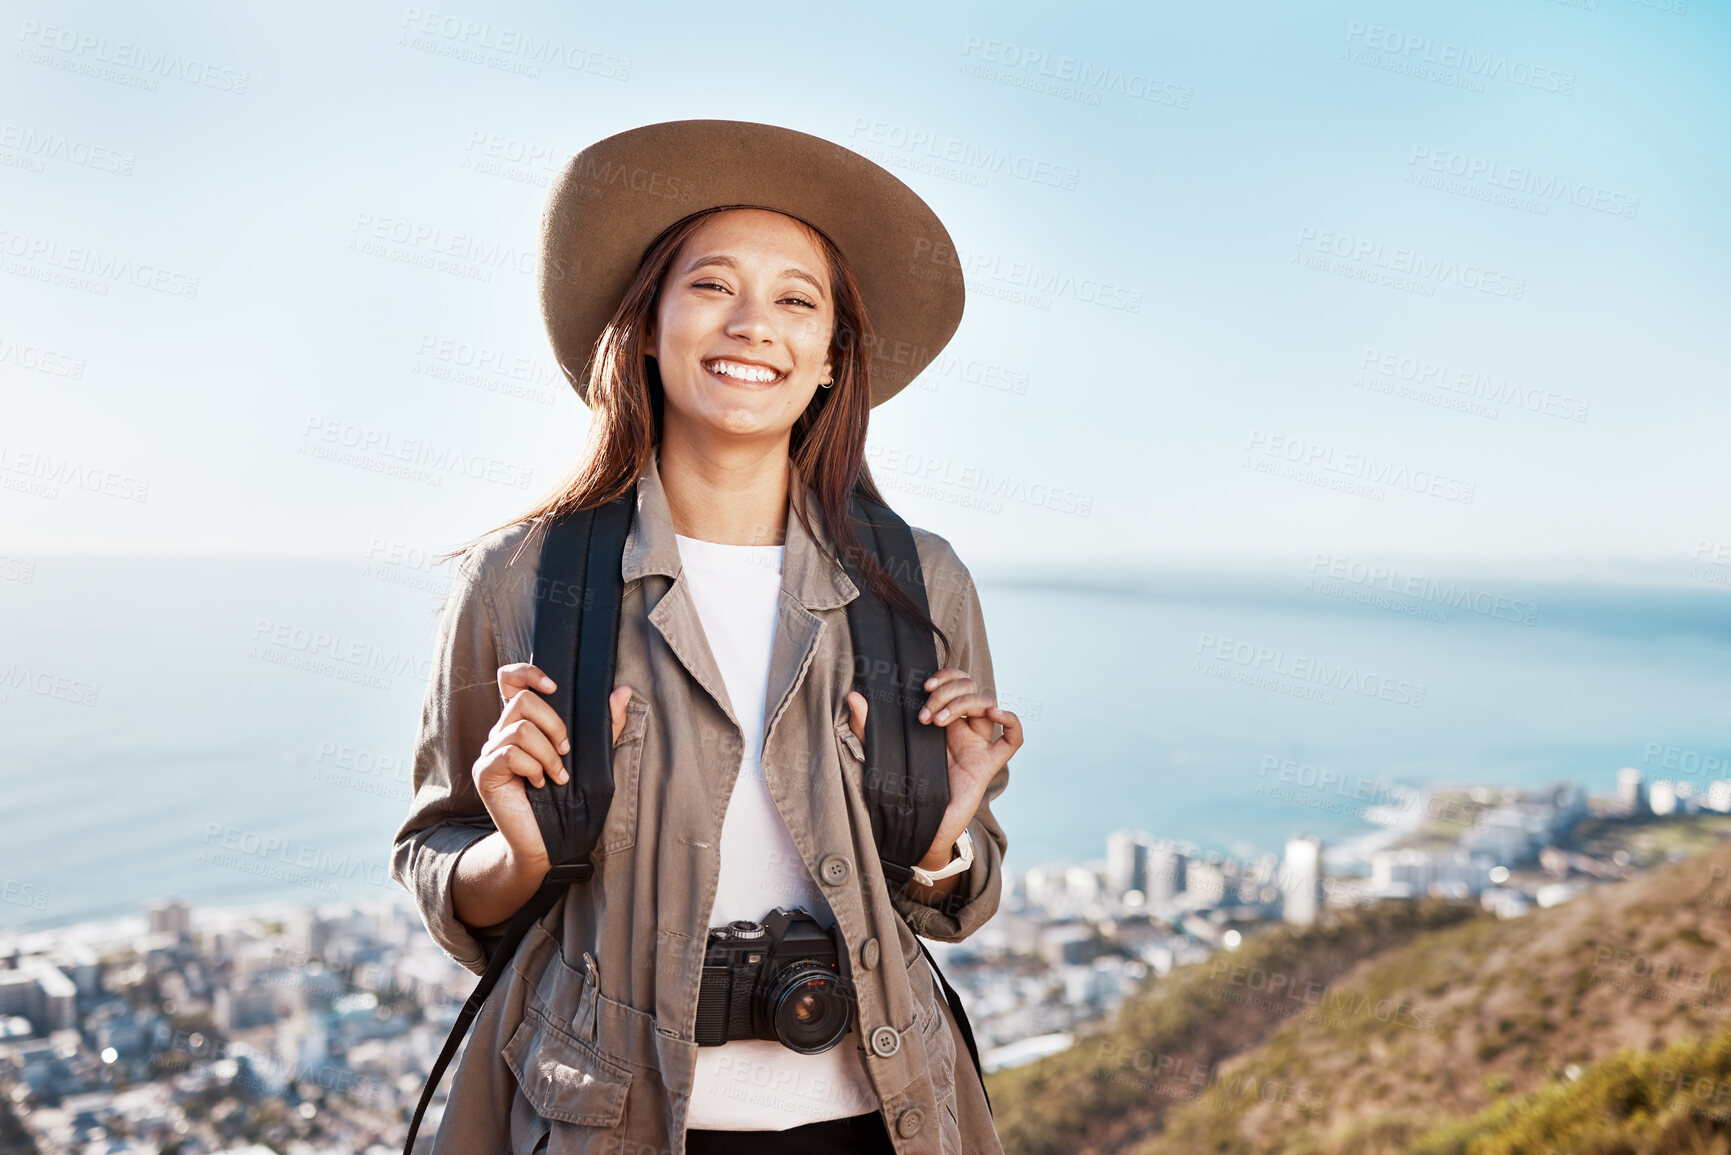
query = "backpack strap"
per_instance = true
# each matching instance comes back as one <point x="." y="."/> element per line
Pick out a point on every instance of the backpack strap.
<point x="907" y="784"/>
<point x="576" y="641"/>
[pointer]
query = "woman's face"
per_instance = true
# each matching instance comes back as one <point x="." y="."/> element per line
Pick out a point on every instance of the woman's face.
<point x="742" y="332"/>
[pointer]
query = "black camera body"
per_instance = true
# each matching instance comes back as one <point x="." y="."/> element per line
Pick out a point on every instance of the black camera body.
<point x="778" y="979"/>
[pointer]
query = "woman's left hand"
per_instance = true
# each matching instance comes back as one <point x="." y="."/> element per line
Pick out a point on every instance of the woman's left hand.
<point x="974" y="755"/>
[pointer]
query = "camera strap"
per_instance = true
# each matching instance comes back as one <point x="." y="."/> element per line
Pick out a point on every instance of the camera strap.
<point x="576" y="641"/>
<point x="960" y="1014"/>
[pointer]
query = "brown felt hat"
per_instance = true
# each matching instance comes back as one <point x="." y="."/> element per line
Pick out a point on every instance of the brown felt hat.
<point x="616" y="196"/>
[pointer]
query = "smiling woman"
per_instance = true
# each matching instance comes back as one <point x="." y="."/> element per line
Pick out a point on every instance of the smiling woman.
<point x="719" y="972"/>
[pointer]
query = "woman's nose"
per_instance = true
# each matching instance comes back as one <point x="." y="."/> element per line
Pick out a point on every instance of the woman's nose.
<point x="750" y="318"/>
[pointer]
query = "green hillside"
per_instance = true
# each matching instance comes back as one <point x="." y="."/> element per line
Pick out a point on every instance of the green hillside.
<point x="1675" y="1101"/>
<point x="1117" y="1085"/>
<point x="1415" y="1026"/>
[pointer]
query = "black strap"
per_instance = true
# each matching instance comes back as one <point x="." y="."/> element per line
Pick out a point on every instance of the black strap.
<point x="906" y="783"/>
<point x="552" y="888"/>
<point x="561" y="588"/>
<point x="576" y="642"/>
<point x="961" y="1015"/>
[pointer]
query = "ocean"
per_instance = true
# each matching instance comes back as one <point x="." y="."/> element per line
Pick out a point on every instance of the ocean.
<point x="240" y="730"/>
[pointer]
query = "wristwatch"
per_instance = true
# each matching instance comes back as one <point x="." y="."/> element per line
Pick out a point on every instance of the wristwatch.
<point x="964" y="859"/>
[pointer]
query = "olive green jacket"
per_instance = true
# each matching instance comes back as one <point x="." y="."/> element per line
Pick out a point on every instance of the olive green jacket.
<point x="587" y="1044"/>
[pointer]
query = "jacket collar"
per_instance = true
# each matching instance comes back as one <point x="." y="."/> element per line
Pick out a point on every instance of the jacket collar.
<point x="810" y="572"/>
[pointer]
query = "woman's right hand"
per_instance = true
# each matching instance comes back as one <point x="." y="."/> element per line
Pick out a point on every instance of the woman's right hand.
<point x="524" y="748"/>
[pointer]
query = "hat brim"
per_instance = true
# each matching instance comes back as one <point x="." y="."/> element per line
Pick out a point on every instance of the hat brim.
<point x="616" y="196"/>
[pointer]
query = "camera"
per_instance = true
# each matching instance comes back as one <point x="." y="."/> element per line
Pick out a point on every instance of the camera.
<point x="776" y="979"/>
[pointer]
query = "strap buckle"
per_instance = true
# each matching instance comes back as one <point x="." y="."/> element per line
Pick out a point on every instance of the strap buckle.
<point x="571" y="872"/>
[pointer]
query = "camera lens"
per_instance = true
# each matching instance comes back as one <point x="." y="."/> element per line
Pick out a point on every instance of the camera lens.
<point x="808" y="1008"/>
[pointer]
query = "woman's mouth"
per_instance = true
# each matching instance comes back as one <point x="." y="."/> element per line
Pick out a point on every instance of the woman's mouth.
<point x="744" y="372"/>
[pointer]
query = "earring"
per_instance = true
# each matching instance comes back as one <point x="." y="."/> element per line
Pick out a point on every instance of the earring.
<point x="827" y="384"/>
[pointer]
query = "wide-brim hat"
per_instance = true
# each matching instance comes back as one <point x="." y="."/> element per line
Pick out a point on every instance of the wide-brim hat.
<point x="616" y="196"/>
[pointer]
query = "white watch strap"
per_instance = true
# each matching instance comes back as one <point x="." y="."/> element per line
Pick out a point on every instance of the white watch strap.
<point x="963" y="860"/>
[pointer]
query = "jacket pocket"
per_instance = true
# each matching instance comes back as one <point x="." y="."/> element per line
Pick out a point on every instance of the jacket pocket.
<point x="564" y="1078"/>
<point x="850" y="745"/>
<point x="620" y="830"/>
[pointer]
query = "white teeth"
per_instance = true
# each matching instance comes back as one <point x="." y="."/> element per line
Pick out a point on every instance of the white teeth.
<point x="738" y="372"/>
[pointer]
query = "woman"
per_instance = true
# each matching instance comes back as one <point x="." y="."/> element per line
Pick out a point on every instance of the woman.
<point x="710" y="288"/>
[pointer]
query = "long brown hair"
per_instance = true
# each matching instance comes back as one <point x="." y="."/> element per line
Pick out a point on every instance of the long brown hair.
<point x="827" y="442"/>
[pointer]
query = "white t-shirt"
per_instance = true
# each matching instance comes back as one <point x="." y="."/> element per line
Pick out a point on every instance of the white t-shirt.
<point x="759" y="1084"/>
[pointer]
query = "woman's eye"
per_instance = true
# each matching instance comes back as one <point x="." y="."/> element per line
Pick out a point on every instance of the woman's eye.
<point x="709" y="285"/>
<point x="800" y="301"/>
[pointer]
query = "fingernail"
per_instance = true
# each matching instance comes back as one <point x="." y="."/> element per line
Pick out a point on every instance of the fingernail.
<point x="547" y="684"/>
<point x="925" y="715"/>
<point x="563" y="777"/>
<point x="565" y="746"/>
<point x="943" y="714"/>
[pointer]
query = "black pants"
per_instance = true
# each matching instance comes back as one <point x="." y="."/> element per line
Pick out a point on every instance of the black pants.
<point x="854" y="1135"/>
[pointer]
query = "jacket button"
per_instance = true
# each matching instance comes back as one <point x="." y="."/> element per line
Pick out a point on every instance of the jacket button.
<point x="908" y="1123"/>
<point x="868" y="955"/>
<point x="886" y="1041"/>
<point x="834" y="869"/>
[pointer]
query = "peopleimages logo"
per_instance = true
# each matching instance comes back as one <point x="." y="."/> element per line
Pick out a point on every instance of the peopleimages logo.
<point x="1459" y="59"/>
<point x="1377" y="584"/>
<point x="61" y="687"/>
<point x="40" y="360"/>
<point x="1304" y="669"/>
<point x="42" y="474"/>
<point x="292" y="854"/>
<point x="1471" y="384"/>
<point x="1545" y="187"/>
<point x="92" y="270"/>
<point x="976" y="269"/>
<point x="415" y="459"/>
<point x="1355" y="468"/>
<point x="506" y="48"/>
<point x="1421" y="267"/>
<point x="932" y="475"/>
<point x="932" y="144"/>
<point x="1088" y="78"/>
<point x="432" y="247"/>
<point x="286" y="643"/>
<point x="86" y="52"/>
<point x="36" y="146"/>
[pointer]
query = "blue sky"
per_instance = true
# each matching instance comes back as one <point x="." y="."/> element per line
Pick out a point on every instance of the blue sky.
<point x="1406" y="280"/>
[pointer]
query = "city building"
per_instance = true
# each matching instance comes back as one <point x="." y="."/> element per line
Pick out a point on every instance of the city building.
<point x="169" y="916"/>
<point x="33" y="988"/>
<point x="1679" y="797"/>
<point x="1301" y="880"/>
<point x="1632" y="792"/>
<point x="1166" y="875"/>
<point x="1409" y="872"/>
<point x="1126" y="862"/>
